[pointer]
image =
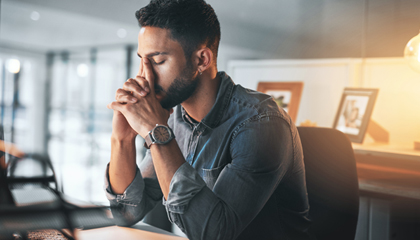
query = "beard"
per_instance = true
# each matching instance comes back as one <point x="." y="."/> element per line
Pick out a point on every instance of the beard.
<point x="182" y="88"/>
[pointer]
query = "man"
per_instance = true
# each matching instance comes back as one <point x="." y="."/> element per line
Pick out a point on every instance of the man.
<point x="226" y="162"/>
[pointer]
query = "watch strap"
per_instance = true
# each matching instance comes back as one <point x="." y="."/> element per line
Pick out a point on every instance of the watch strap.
<point x="148" y="140"/>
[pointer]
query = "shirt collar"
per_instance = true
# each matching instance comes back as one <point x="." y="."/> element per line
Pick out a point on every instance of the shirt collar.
<point x="224" y="94"/>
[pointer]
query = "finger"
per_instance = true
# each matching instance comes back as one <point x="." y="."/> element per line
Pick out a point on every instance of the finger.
<point x="120" y="92"/>
<point x="141" y="67"/>
<point x="131" y="86"/>
<point x="123" y="96"/>
<point x="149" y="75"/>
<point x="126" y="98"/>
<point x="142" y="82"/>
<point x="134" y="88"/>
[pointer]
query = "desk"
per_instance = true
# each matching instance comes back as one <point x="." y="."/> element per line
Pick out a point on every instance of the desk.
<point x="114" y="232"/>
<point x="388" y="169"/>
<point x="389" y="184"/>
<point x="37" y="196"/>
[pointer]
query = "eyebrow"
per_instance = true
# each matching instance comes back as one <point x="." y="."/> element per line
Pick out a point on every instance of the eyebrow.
<point x="153" y="54"/>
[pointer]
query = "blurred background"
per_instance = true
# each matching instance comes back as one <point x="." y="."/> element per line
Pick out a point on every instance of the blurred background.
<point x="62" y="61"/>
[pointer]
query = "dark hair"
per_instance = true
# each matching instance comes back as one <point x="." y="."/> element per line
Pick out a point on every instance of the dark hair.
<point x="190" y="22"/>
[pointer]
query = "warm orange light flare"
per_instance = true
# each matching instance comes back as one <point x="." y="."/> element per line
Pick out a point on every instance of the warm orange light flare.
<point x="412" y="52"/>
<point x="11" y="149"/>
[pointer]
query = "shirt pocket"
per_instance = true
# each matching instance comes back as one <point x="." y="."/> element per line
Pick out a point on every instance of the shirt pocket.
<point x="210" y="175"/>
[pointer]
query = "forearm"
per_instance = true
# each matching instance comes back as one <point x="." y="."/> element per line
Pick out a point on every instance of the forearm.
<point x="166" y="159"/>
<point x="138" y="198"/>
<point x="122" y="167"/>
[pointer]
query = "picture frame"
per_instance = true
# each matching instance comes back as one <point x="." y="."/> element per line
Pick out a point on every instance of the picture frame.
<point x="286" y="94"/>
<point x="354" y="112"/>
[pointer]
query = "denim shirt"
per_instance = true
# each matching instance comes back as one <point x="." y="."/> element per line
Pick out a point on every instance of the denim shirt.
<point x="244" y="176"/>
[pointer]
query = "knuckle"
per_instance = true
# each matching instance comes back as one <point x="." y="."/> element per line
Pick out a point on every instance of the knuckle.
<point x="122" y="98"/>
<point x="126" y="84"/>
<point x="145" y="84"/>
<point x="140" y="79"/>
<point x="118" y="93"/>
<point x="135" y="89"/>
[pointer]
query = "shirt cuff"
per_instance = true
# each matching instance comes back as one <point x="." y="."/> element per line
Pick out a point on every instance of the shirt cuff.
<point x="131" y="195"/>
<point x="185" y="184"/>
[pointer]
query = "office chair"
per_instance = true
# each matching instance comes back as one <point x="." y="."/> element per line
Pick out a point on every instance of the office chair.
<point x="40" y="210"/>
<point x="332" y="184"/>
<point x="41" y="173"/>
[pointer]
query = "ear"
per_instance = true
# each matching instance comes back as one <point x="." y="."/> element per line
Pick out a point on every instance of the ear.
<point x="204" y="58"/>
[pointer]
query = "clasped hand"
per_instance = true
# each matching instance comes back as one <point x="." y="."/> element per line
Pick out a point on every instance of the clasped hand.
<point x="136" y="109"/>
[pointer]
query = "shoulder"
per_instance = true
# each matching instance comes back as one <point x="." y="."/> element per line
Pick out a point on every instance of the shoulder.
<point x="264" y="131"/>
<point x="258" y="112"/>
<point x="254" y="105"/>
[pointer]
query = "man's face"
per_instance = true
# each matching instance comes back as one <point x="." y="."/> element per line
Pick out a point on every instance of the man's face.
<point x="174" y="75"/>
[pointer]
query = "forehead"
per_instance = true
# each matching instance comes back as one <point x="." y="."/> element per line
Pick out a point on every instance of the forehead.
<point x="153" y="39"/>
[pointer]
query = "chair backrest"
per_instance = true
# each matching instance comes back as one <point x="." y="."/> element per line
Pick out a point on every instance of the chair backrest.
<point x="332" y="184"/>
<point x="41" y="172"/>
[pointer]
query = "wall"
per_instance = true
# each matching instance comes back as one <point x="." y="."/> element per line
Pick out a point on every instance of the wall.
<point x="397" y="108"/>
<point x="323" y="81"/>
<point x="229" y="52"/>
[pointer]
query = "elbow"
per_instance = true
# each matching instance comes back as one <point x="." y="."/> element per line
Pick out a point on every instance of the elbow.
<point x="125" y="218"/>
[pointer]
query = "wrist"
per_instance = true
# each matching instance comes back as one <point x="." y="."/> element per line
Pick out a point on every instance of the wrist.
<point x="149" y="129"/>
<point x="120" y="140"/>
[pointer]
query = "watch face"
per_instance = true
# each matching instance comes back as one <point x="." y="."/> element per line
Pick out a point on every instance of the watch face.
<point x="161" y="134"/>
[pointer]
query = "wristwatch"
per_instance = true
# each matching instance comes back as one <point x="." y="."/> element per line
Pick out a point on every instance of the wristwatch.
<point x="160" y="134"/>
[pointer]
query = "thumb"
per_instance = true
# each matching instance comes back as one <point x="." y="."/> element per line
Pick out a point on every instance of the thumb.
<point x="115" y="106"/>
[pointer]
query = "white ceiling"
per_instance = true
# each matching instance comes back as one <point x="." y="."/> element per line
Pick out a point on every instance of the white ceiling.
<point x="57" y="28"/>
<point x="276" y="28"/>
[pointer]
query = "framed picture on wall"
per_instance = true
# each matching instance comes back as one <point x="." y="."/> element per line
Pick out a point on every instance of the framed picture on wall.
<point x="286" y="94"/>
<point x="354" y="112"/>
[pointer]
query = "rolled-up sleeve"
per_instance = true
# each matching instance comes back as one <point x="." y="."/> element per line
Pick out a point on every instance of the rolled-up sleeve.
<point x="185" y="184"/>
<point x="131" y="194"/>
<point x="136" y="201"/>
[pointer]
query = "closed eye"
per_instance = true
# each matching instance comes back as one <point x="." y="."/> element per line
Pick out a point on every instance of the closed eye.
<point x="157" y="63"/>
